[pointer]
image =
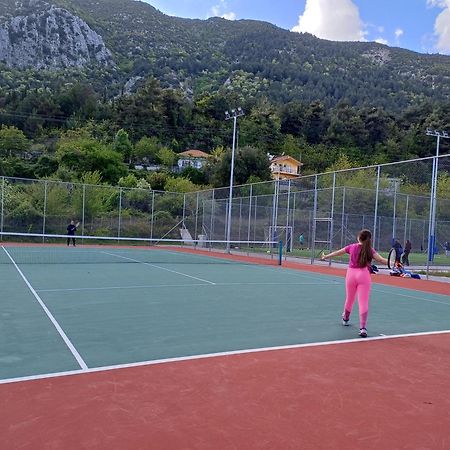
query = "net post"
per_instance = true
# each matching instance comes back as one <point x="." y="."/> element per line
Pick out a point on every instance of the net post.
<point x="280" y="252"/>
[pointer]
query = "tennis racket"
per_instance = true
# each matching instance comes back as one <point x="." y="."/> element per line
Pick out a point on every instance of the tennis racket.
<point x="391" y="258"/>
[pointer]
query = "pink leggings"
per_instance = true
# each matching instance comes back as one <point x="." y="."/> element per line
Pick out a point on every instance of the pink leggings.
<point x="357" y="282"/>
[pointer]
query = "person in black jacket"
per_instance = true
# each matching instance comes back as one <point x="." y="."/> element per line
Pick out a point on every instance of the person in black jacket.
<point x="407" y="251"/>
<point x="71" y="228"/>
<point x="398" y="250"/>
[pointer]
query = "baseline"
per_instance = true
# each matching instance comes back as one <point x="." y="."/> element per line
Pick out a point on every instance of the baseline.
<point x="219" y="354"/>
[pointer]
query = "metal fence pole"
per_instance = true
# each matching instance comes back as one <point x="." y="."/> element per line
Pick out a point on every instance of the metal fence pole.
<point x="274" y="211"/>
<point x="256" y="215"/>
<point x="249" y="212"/>
<point x="120" y="212"/>
<point x="240" y="218"/>
<point x="3" y="206"/>
<point x="406" y="219"/>
<point x="343" y="217"/>
<point x="83" y="211"/>
<point x="45" y="209"/>
<point x="153" y="210"/>
<point x="332" y="216"/>
<point x="394" y="217"/>
<point x="313" y="237"/>
<point x="227" y="218"/>
<point x="196" y="216"/>
<point x="184" y="209"/>
<point x="431" y="225"/>
<point x="211" y="228"/>
<point x="288" y="241"/>
<point x="293" y="216"/>
<point x="375" y="221"/>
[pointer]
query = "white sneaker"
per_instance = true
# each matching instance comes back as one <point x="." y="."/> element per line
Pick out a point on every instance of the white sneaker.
<point x="363" y="332"/>
<point x="345" y="322"/>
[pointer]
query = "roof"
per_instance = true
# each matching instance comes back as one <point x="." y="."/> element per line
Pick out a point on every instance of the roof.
<point x="194" y="154"/>
<point x="285" y="158"/>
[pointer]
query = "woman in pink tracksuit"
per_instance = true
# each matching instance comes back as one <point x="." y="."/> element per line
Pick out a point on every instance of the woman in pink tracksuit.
<point x="357" y="280"/>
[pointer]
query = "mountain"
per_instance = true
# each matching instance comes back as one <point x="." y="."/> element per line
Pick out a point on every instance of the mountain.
<point x="120" y="43"/>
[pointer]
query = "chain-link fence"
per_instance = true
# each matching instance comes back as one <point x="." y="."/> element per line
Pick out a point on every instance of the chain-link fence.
<point x="393" y="200"/>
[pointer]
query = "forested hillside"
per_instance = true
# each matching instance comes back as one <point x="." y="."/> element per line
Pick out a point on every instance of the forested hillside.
<point x="101" y="85"/>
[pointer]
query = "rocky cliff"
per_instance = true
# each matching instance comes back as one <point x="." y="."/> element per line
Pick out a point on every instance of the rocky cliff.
<point x="44" y="36"/>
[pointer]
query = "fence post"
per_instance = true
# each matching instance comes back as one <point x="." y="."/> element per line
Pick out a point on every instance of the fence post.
<point x="406" y="218"/>
<point x="211" y="228"/>
<point x="343" y="217"/>
<point x="3" y="205"/>
<point x="432" y="225"/>
<point x="240" y="218"/>
<point x="120" y="212"/>
<point x="375" y="218"/>
<point x="196" y="216"/>
<point x="45" y="209"/>
<point x="184" y="209"/>
<point x="313" y="237"/>
<point x="249" y="212"/>
<point x="83" y="210"/>
<point x="332" y="216"/>
<point x="288" y="241"/>
<point x="153" y="210"/>
<point x="256" y="215"/>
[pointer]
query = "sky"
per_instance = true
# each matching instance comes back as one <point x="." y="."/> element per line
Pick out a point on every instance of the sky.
<point x="419" y="25"/>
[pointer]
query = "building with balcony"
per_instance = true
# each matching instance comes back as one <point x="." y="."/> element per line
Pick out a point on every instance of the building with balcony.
<point x="285" y="167"/>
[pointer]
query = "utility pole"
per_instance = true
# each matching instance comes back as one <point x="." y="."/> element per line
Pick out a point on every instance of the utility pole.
<point x="432" y="222"/>
<point x="235" y="113"/>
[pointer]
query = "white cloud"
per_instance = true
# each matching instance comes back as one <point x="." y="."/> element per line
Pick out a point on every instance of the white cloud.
<point x="229" y="16"/>
<point x="336" y="20"/>
<point x="438" y="3"/>
<point x="220" y="11"/>
<point x="398" y="33"/>
<point x="380" y="40"/>
<point x="442" y="25"/>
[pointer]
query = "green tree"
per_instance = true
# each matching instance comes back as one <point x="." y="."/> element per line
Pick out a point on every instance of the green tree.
<point x="123" y="145"/>
<point x="248" y="161"/>
<point x="12" y="141"/>
<point x="87" y="155"/>
<point x="146" y="149"/>
<point x="167" y="157"/>
<point x="180" y="184"/>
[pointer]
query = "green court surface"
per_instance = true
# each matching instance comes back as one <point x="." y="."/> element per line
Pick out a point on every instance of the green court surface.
<point x="114" y="313"/>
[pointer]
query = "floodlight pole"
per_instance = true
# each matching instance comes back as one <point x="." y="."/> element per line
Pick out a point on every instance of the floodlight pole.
<point x="432" y="222"/>
<point x="235" y="113"/>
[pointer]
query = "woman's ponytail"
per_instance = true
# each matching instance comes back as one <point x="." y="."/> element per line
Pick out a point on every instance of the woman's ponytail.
<point x="365" y="255"/>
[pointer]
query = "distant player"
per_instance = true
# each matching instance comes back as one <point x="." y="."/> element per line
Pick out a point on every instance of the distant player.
<point x="357" y="280"/>
<point x="71" y="229"/>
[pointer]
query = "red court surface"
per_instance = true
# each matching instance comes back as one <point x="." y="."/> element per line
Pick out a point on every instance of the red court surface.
<point x="367" y="394"/>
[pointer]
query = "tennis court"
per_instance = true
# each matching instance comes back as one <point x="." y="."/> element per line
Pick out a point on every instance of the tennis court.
<point x="108" y="347"/>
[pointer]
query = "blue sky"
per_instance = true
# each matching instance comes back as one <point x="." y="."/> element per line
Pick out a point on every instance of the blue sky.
<point x="419" y="25"/>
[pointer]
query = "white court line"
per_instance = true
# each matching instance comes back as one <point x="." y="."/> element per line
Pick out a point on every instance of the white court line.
<point x="159" y="267"/>
<point x="147" y="286"/>
<point x="394" y="293"/>
<point x="218" y="355"/>
<point x="69" y="344"/>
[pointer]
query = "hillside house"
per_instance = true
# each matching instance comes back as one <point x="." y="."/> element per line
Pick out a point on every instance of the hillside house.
<point x="285" y="167"/>
<point x="192" y="158"/>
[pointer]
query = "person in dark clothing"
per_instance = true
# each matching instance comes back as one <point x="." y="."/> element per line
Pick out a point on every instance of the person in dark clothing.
<point x="398" y="250"/>
<point x="407" y="251"/>
<point x="71" y="228"/>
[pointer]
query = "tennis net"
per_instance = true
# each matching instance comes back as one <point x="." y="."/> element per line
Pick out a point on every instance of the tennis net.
<point x="28" y="248"/>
